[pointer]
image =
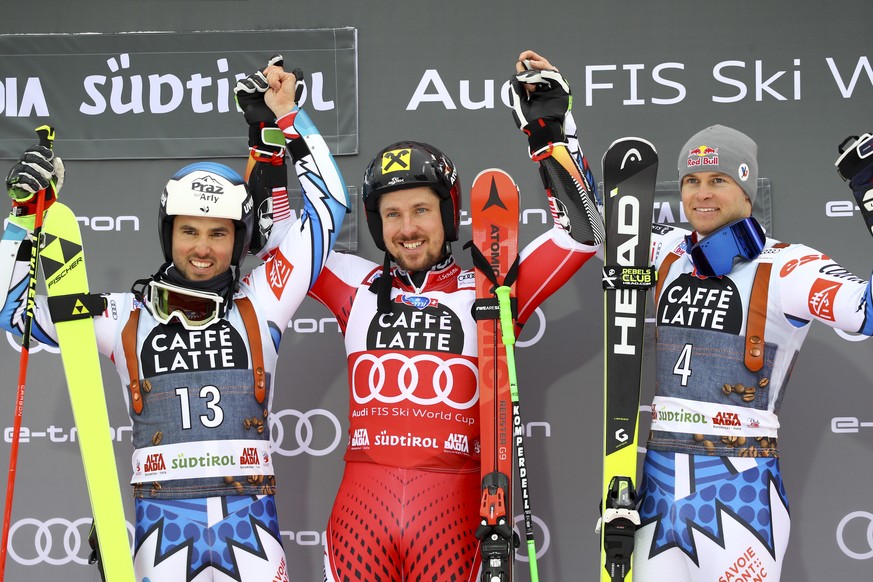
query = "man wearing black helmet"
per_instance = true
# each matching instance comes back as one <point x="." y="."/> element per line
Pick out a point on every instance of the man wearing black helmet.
<point x="196" y="344"/>
<point x="408" y="504"/>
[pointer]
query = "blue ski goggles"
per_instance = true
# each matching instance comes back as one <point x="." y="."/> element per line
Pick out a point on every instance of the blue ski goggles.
<point x="193" y="309"/>
<point x="717" y="254"/>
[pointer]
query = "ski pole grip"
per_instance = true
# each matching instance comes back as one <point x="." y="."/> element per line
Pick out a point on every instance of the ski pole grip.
<point x="506" y="326"/>
<point x="46" y="134"/>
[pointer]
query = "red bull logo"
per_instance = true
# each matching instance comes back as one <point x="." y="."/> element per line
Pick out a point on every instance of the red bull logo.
<point x="702" y="156"/>
<point x="702" y="151"/>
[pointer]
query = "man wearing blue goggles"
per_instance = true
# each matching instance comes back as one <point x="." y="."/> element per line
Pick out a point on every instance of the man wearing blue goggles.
<point x="732" y="310"/>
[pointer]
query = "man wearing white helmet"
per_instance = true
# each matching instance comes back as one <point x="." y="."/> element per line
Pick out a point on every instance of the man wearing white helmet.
<point x="196" y="344"/>
<point x="733" y="308"/>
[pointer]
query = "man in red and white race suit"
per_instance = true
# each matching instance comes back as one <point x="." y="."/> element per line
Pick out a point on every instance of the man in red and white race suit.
<point x="407" y="507"/>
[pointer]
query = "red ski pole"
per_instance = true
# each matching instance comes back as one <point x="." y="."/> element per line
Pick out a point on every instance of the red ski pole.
<point x="46" y="138"/>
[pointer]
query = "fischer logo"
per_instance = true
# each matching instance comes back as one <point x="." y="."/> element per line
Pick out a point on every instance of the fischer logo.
<point x="457" y="443"/>
<point x="361" y="439"/>
<point x="726" y="419"/>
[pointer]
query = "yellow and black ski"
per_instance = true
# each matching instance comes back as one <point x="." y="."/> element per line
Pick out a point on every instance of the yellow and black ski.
<point x="630" y="168"/>
<point x="72" y="307"/>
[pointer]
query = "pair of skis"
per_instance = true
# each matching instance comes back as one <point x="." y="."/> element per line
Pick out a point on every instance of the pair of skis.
<point x="630" y="169"/>
<point x="57" y="248"/>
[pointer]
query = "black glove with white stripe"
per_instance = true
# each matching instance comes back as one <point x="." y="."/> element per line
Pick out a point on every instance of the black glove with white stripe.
<point x="540" y="113"/>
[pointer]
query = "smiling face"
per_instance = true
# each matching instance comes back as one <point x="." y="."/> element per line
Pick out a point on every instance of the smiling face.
<point x="202" y="247"/>
<point x="712" y="200"/>
<point x="412" y="227"/>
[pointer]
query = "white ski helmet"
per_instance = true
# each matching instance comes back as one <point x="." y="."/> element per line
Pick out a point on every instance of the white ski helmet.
<point x="211" y="190"/>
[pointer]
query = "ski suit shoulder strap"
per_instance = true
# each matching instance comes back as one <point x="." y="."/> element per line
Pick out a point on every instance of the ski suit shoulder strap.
<point x="662" y="273"/>
<point x="756" y="321"/>
<point x="250" y="319"/>
<point x="128" y="342"/>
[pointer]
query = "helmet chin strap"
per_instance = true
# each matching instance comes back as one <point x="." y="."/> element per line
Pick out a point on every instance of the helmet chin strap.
<point x="383" y="285"/>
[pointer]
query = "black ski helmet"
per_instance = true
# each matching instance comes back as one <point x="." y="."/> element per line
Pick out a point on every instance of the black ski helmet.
<point x="211" y="190"/>
<point x="409" y="164"/>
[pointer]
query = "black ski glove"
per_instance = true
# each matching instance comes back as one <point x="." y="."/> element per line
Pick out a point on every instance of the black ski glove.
<point x="37" y="169"/>
<point x="266" y="141"/>
<point x="540" y="113"/>
<point x="855" y="164"/>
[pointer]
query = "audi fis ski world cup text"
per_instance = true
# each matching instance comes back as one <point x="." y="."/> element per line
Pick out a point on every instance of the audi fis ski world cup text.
<point x="659" y="84"/>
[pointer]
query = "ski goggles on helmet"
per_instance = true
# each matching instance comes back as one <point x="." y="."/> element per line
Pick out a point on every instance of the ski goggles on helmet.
<point x="717" y="254"/>
<point x="193" y="309"/>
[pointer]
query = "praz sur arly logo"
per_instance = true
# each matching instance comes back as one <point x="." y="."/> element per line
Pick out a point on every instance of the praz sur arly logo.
<point x="207" y="185"/>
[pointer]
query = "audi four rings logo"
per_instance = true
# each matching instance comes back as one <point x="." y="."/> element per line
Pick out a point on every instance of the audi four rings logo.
<point x="370" y="379"/>
<point x="35" y="346"/>
<point x="291" y="440"/>
<point x="32" y="541"/>
<point x="856" y="535"/>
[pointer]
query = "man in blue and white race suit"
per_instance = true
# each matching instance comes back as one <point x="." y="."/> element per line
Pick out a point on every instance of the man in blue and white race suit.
<point x="196" y="346"/>
<point x="733" y="308"/>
